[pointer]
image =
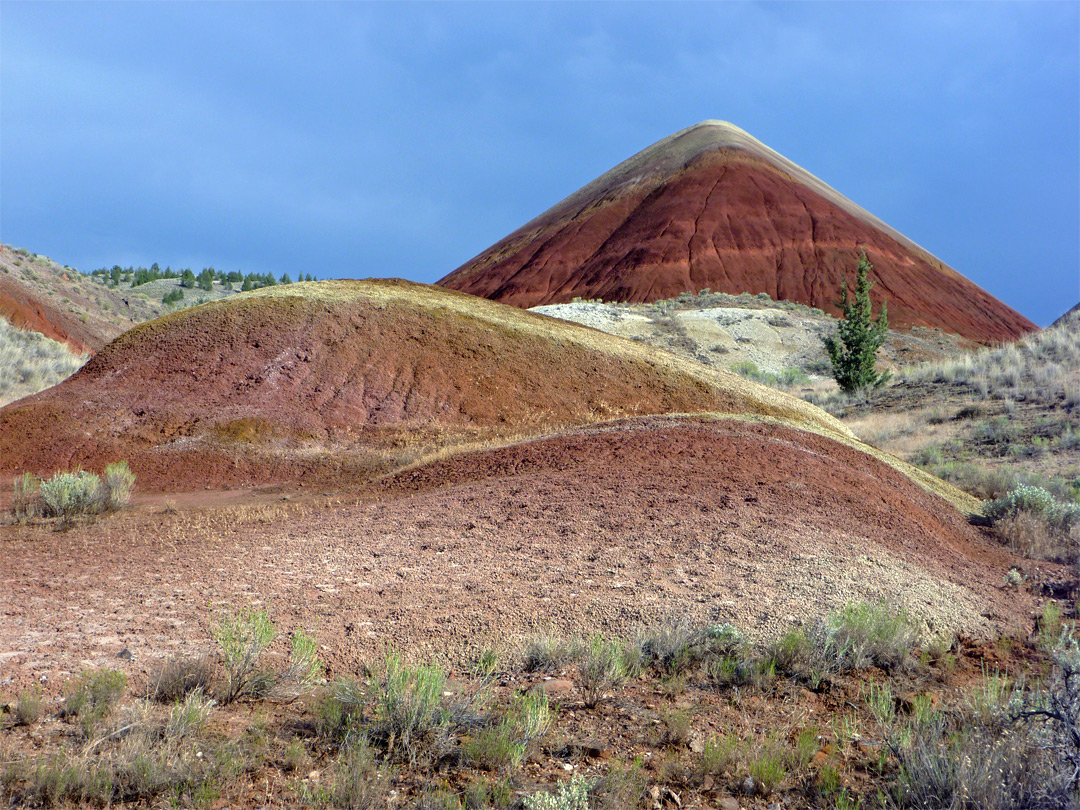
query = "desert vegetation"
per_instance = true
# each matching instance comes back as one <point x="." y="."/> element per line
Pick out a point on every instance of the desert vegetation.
<point x="70" y="495"/>
<point x="853" y="349"/>
<point x="858" y="709"/>
<point x="31" y="362"/>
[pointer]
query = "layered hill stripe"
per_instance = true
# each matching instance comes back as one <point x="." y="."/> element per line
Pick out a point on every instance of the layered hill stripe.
<point x="711" y="207"/>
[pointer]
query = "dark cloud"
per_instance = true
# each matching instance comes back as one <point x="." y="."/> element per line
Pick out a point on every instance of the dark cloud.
<point x="401" y="139"/>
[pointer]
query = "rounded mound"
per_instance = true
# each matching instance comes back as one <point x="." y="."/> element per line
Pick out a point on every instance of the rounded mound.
<point x="658" y="516"/>
<point x="350" y="378"/>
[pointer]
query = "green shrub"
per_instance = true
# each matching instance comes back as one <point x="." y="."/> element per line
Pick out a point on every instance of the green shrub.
<point x="408" y="717"/>
<point x="570" y="795"/>
<point x="69" y="494"/>
<point x="1036" y="501"/>
<point x="94" y="697"/>
<point x="172" y="297"/>
<point x="853" y="348"/>
<point x="785" y="379"/>
<point x="603" y="666"/>
<point x="243" y="639"/>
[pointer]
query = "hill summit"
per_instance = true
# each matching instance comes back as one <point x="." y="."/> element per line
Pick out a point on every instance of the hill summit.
<point x="711" y="207"/>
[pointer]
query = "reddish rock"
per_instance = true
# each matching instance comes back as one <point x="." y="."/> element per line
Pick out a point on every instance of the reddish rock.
<point x="711" y="207"/>
<point x="556" y="688"/>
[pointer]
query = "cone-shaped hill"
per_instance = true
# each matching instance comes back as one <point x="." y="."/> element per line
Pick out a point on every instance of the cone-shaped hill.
<point x="712" y="207"/>
<point x="350" y="378"/>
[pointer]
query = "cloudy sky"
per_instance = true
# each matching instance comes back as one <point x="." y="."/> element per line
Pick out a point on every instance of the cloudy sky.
<point x="369" y="139"/>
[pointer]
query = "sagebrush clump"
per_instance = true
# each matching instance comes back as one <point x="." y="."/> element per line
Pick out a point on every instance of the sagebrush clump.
<point x="68" y="495"/>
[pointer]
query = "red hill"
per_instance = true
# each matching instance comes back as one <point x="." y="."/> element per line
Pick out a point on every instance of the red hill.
<point x="346" y="379"/>
<point x="712" y="207"/>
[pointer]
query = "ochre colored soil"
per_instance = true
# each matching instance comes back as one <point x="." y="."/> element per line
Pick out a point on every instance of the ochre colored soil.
<point x="607" y="528"/>
<point x="730" y="221"/>
<point x="336" y="381"/>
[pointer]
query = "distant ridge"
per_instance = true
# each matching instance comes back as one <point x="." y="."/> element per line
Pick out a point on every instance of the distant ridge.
<point x="712" y="207"/>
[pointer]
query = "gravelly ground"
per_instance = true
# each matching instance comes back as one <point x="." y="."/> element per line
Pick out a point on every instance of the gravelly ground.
<point x="607" y="529"/>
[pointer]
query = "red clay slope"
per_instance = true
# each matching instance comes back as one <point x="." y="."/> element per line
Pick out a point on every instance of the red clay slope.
<point x="346" y="379"/>
<point x="711" y="207"/>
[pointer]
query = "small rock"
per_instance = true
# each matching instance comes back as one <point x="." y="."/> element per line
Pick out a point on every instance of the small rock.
<point x="728" y="803"/>
<point x="566" y="766"/>
<point x="126" y="655"/>
<point x="591" y="749"/>
<point x="697" y="743"/>
<point x="556" y="687"/>
<point x="749" y="787"/>
<point x="775" y="806"/>
<point x="671" y="798"/>
<point x="313" y="776"/>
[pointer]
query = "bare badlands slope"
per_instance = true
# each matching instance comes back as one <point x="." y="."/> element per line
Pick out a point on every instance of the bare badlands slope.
<point x="602" y="528"/>
<point x="346" y="379"/>
<point x="712" y="207"/>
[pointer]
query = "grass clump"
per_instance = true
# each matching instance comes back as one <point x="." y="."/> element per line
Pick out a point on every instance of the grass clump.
<point x="119" y="481"/>
<point x="768" y="769"/>
<point x="604" y="665"/>
<point x="549" y="653"/>
<point x="786" y="378"/>
<point x="1031" y="521"/>
<point x="674" y="648"/>
<point x="31" y="362"/>
<point x="867" y="634"/>
<point x="25" y="497"/>
<point x="28" y="708"/>
<point x="177" y="677"/>
<point x="408" y="718"/>
<point x="506" y="744"/>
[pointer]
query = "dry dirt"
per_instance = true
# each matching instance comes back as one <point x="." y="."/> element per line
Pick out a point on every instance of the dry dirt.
<point x="607" y="529"/>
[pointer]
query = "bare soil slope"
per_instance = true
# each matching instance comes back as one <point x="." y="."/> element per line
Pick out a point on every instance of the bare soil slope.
<point x="607" y="528"/>
<point x="347" y="379"/>
<point x="711" y="207"/>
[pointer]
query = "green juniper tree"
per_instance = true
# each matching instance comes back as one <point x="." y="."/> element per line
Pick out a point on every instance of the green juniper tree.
<point x="858" y="337"/>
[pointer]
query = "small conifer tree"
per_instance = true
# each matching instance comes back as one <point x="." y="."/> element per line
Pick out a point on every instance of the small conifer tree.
<point x="853" y="348"/>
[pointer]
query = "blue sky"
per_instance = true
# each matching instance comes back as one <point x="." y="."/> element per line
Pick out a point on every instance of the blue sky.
<point x="368" y="139"/>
